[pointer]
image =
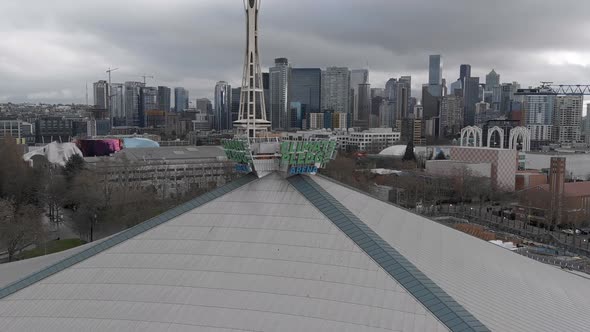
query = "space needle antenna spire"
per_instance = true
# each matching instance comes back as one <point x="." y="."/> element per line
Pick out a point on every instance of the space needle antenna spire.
<point x="252" y="113"/>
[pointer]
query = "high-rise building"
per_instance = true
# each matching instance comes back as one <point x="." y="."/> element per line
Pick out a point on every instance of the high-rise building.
<point x="451" y="115"/>
<point x="539" y="109"/>
<point x="266" y="92"/>
<point x="391" y="89"/>
<point x="132" y="103"/>
<point x="364" y="106"/>
<point x="204" y="106"/>
<point x="568" y="118"/>
<point x="279" y="94"/>
<point x="357" y="76"/>
<point x="164" y="98"/>
<point x="118" y="104"/>
<point x="456" y="88"/>
<point x="336" y="89"/>
<point x="464" y="71"/>
<point x="223" y="101"/>
<point x="101" y="94"/>
<point x="306" y="88"/>
<point x="148" y="101"/>
<point x="297" y="115"/>
<point x="404" y="86"/>
<point x="377" y="92"/>
<point x="492" y="80"/>
<point x="180" y="99"/>
<point x="435" y="70"/>
<point x="470" y="98"/>
<point x="586" y="124"/>
<point x="506" y="97"/>
<point x="235" y="104"/>
<point x="430" y="102"/>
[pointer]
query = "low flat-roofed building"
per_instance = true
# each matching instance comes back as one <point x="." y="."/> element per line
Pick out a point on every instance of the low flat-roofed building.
<point x="171" y="170"/>
<point x="504" y="163"/>
<point x="452" y="168"/>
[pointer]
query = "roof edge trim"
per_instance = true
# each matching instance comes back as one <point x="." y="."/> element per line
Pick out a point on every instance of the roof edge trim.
<point x="423" y="289"/>
<point x="123" y="236"/>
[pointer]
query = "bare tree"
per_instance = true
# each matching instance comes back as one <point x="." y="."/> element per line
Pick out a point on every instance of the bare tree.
<point x="341" y="169"/>
<point x="20" y="226"/>
<point x="54" y="197"/>
<point x="88" y="203"/>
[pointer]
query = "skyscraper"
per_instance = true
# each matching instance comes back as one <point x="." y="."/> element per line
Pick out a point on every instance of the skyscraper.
<point x="435" y="70"/>
<point x="306" y="88"/>
<point x="204" y="106"/>
<point x="430" y="102"/>
<point x="118" y="104"/>
<point x="180" y="99"/>
<point x="471" y="97"/>
<point x="335" y="89"/>
<point x="252" y="115"/>
<point x="492" y="80"/>
<point x="164" y="98"/>
<point x="223" y="101"/>
<point x="266" y="92"/>
<point x="148" y="101"/>
<point x="132" y="103"/>
<point x="404" y="93"/>
<point x="357" y="76"/>
<point x="364" y="106"/>
<point x="235" y="104"/>
<point x="456" y="88"/>
<point x="464" y="71"/>
<point x="391" y="89"/>
<point x="279" y="94"/>
<point x="101" y="94"/>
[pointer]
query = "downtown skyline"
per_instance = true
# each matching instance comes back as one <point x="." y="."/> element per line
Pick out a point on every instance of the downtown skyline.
<point x="69" y="46"/>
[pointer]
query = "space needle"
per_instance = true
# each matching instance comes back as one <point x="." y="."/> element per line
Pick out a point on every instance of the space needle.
<point x="256" y="149"/>
<point x="252" y="115"/>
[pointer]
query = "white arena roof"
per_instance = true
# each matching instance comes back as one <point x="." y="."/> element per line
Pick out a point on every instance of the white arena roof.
<point x="297" y="254"/>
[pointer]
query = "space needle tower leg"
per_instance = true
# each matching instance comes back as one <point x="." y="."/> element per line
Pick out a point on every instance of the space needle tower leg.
<point x="252" y="114"/>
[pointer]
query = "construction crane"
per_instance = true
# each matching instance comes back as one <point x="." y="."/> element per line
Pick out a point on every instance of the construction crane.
<point x="110" y="101"/>
<point x="109" y="71"/>
<point x="146" y="76"/>
<point x="548" y="88"/>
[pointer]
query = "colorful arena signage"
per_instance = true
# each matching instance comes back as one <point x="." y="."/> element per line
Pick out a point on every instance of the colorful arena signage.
<point x="237" y="150"/>
<point x="307" y="153"/>
<point x="294" y="170"/>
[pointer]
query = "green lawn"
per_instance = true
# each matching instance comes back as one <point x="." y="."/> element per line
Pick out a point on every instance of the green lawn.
<point x="52" y="247"/>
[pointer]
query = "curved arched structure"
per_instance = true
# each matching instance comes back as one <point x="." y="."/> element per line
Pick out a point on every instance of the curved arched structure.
<point x="500" y="132"/>
<point x="522" y="133"/>
<point x="471" y="132"/>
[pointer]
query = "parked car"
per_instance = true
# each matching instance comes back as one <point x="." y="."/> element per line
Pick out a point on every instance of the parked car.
<point x="571" y="231"/>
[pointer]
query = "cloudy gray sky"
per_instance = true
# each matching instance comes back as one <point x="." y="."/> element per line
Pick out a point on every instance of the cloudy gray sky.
<point x="50" y="49"/>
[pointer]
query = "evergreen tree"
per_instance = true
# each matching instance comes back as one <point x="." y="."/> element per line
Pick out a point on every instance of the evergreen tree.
<point x="409" y="154"/>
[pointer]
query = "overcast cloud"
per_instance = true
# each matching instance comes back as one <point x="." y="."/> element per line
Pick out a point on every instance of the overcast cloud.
<point x="50" y="49"/>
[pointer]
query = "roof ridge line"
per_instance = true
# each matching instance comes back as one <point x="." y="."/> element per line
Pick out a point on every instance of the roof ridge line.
<point x="124" y="236"/>
<point x="433" y="298"/>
